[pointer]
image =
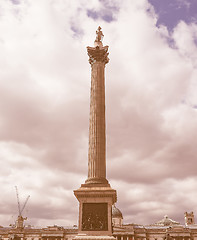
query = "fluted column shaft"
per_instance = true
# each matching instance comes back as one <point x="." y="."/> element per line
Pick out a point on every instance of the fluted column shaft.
<point x="97" y="135"/>
<point x="97" y="145"/>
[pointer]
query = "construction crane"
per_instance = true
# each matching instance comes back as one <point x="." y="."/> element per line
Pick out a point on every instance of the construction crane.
<point x="20" y="219"/>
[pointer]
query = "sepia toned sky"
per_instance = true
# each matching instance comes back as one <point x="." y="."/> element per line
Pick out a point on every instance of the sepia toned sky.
<point x="151" y="106"/>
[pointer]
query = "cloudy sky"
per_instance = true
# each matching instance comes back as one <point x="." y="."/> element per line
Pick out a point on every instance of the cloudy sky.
<point x="151" y="106"/>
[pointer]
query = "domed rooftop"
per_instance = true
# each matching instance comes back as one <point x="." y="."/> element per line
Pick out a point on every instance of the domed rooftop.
<point x="116" y="213"/>
<point x="166" y="221"/>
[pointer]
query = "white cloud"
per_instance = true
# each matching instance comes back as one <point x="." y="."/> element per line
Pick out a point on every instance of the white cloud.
<point x="185" y="37"/>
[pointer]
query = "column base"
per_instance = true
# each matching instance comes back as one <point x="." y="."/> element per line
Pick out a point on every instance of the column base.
<point x="93" y="237"/>
<point x="96" y="180"/>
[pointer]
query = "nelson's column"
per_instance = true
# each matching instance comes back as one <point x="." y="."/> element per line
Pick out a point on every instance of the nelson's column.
<point x="96" y="196"/>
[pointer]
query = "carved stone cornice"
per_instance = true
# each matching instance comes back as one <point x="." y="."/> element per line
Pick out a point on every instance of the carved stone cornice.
<point x="96" y="193"/>
<point x="98" y="54"/>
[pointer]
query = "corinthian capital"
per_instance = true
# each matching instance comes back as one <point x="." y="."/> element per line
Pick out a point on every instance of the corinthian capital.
<point x="98" y="54"/>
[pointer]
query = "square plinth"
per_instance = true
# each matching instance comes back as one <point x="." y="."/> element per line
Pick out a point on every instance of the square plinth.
<point x="95" y="210"/>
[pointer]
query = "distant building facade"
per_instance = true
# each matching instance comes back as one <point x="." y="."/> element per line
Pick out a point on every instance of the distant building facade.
<point x="165" y="229"/>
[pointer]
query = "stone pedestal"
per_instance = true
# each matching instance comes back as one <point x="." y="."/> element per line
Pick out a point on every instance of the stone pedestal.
<point x="95" y="209"/>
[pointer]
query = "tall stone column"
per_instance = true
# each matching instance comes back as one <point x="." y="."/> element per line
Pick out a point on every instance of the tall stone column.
<point x="96" y="196"/>
<point x="98" y="57"/>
